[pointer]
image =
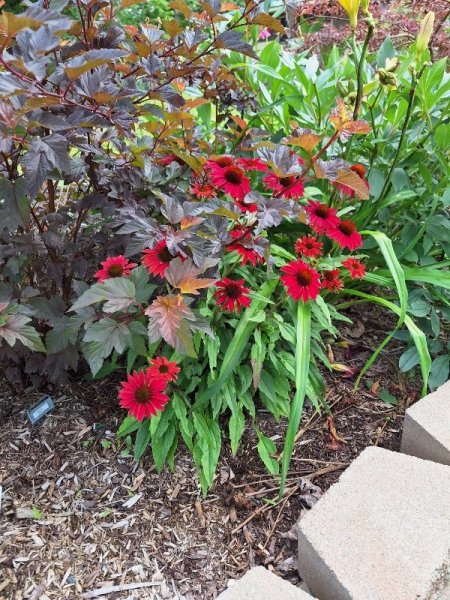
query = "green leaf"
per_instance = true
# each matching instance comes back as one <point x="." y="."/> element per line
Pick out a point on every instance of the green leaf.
<point x="266" y="450"/>
<point x="238" y="344"/>
<point x="385" y="51"/>
<point x="398" y="276"/>
<point x="142" y="439"/>
<point x="417" y="335"/>
<point x="440" y="368"/>
<point x="14" y="328"/>
<point x="302" y="360"/>
<point x="387" y="397"/>
<point x="409" y="359"/>
<point x="236" y="427"/>
<point x="161" y="446"/>
<point x="118" y="292"/>
<point x="128" y="425"/>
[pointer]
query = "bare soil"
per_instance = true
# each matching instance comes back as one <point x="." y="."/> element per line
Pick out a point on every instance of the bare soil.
<point x="92" y="518"/>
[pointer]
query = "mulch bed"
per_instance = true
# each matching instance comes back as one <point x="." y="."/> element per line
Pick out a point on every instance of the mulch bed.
<point x="95" y="519"/>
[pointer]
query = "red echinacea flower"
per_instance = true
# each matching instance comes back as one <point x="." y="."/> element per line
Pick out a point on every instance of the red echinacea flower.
<point x="321" y="217"/>
<point x="361" y="172"/>
<point x="253" y="164"/>
<point x="157" y="259"/>
<point x="142" y="394"/>
<point x="331" y="280"/>
<point x="354" y="267"/>
<point x="232" y="294"/>
<point x="114" y="266"/>
<point x="247" y="254"/>
<point x="346" y="235"/>
<point x="301" y="280"/>
<point x="218" y="163"/>
<point x="286" y="187"/>
<point x="163" y="368"/>
<point x="308" y="246"/>
<point x="202" y="189"/>
<point x="231" y="180"/>
<point x="245" y="206"/>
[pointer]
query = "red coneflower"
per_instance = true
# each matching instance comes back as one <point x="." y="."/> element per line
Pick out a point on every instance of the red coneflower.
<point x="241" y="232"/>
<point x="253" y="164"/>
<point x="220" y="162"/>
<point x="232" y="294"/>
<point x="163" y="368"/>
<point x="202" y="190"/>
<point x="354" y="267"/>
<point x="302" y="281"/>
<point x="346" y="235"/>
<point x="142" y="394"/>
<point x="244" y="207"/>
<point x="231" y="180"/>
<point x="321" y="217"/>
<point x="308" y="246"/>
<point x="331" y="280"/>
<point x="361" y="172"/>
<point x="157" y="259"/>
<point x="114" y="266"/>
<point x="287" y="187"/>
<point x="247" y="254"/>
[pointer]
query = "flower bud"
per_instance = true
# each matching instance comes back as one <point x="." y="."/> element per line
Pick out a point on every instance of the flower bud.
<point x="365" y="5"/>
<point x="351" y="7"/>
<point x="425" y="31"/>
<point x="387" y="78"/>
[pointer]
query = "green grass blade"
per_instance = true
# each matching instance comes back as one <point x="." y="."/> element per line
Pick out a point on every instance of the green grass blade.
<point x="417" y="335"/>
<point x="302" y="358"/>
<point x="239" y="342"/>
<point x="395" y="269"/>
<point x="398" y="276"/>
<point x="433" y="275"/>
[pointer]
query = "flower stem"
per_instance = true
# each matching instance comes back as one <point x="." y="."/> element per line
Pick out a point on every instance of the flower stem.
<point x="360" y="68"/>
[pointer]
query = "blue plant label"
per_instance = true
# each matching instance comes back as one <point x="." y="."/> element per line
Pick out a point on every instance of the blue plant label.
<point x="41" y="408"/>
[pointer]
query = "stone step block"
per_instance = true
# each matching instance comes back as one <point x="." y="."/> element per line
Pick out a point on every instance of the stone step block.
<point x="382" y="532"/>
<point x="426" y="429"/>
<point x="261" y="584"/>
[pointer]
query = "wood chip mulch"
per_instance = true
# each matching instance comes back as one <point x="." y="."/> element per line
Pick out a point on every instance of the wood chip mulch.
<point x="79" y="519"/>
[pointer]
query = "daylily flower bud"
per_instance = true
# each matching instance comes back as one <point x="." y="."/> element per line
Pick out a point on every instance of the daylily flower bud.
<point x="365" y="5"/>
<point x="386" y="78"/>
<point x="351" y="7"/>
<point x="425" y="31"/>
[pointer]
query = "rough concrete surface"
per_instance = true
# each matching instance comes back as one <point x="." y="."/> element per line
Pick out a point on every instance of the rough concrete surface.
<point x="382" y="532"/>
<point x="426" y="430"/>
<point x="261" y="584"/>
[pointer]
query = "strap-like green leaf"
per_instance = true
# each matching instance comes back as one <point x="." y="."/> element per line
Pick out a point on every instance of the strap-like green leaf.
<point x="237" y="345"/>
<point x="302" y="358"/>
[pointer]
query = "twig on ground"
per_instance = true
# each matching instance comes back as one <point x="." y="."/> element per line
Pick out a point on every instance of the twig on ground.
<point x="119" y="588"/>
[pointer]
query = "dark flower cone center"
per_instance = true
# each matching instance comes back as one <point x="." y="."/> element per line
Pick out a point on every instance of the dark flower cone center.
<point x="286" y="181"/>
<point x="347" y="227"/>
<point x="233" y="291"/>
<point x="163" y="368"/>
<point x="328" y="275"/>
<point x="303" y="278"/>
<point x="322" y="212"/>
<point x="233" y="175"/>
<point x="115" y="270"/>
<point x="143" y="394"/>
<point x="164" y="255"/>
<point x="224" y="161"/>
